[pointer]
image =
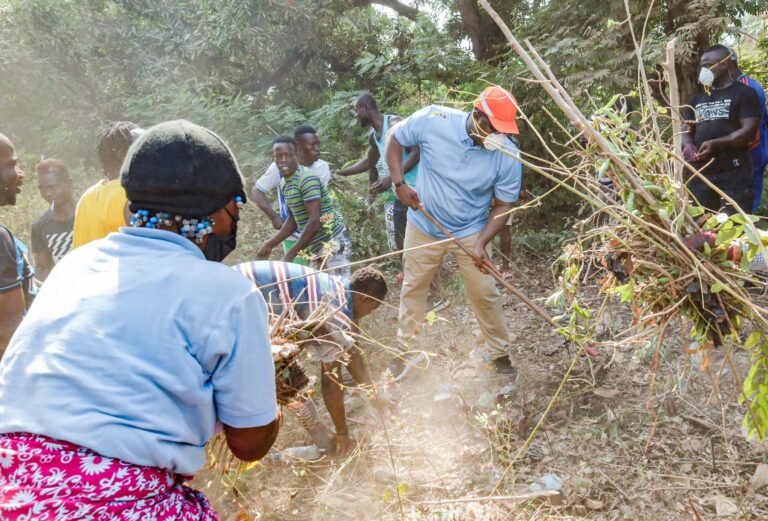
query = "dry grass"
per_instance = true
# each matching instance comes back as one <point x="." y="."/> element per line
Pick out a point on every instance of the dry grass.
<point x="625" y="449"/>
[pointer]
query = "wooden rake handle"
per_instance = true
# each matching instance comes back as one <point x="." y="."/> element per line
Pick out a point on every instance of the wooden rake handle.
<point x="490" y="268"/>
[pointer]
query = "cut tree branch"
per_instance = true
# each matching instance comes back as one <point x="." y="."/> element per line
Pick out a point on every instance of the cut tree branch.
<point x="400" y="8"/>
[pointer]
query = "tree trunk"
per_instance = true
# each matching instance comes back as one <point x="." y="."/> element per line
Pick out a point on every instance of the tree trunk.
<point x="486" y="38"/>
<point x="400" y="8"/>
<point x="688" y="71"/>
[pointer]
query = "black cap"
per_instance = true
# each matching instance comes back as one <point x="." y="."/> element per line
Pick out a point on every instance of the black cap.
<point x="180" y="168"/>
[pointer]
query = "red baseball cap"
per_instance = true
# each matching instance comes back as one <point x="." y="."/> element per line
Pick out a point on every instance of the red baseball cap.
<point x="501" y="108"/>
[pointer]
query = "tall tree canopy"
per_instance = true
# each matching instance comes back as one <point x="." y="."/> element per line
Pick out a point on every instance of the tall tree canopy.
<point x="256" y="67"/>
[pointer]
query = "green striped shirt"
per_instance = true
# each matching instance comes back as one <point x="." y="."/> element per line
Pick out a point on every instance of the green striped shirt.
<point x="305" y="186"/>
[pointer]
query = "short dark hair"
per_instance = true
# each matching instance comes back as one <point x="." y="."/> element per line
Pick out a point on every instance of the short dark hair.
<point x="366" y="99"/>
<point x="284" y="139"/>
<point x="113" y="143"/>
<point x="721" y="49"/>
<point x="369" y="281"/>
<point x="301" y="130"/>
<point x="57" y="166"/>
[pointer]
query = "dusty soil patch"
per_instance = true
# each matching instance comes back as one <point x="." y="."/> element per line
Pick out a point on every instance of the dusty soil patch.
<point x="627" y="444"/>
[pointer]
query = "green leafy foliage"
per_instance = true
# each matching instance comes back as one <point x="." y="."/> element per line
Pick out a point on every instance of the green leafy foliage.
<point x="756" y="386"/>
<point x="251" y="70"/>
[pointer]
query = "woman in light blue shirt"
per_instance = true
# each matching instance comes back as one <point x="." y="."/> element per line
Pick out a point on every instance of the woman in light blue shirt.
<point x="137" y="346"/>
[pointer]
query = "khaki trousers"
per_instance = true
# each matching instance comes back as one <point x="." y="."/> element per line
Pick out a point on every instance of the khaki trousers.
<point x="420" y="265"/>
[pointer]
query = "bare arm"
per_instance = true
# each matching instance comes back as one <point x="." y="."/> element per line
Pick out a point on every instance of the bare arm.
<point x="259" y="198"/>
<point x="333" y="393"/>
<point x="11" y="313"/>
<point x="310" y="229"/>
<point x="285" y="231"/>
<point x="689" y="130"/>
<point x="356" y="168"/>
<point x="253" y="443"/>
<point x="43" y="264"/>
<point x="394" y="157"/>
<point x="414" y="155"/>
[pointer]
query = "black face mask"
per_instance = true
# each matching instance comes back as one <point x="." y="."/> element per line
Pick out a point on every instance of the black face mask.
<point x="220" y="245"/>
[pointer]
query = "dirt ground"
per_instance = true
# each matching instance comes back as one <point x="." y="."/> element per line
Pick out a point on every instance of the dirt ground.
<point x="620" y="443"/>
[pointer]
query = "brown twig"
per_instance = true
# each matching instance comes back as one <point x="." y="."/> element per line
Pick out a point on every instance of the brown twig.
<point x="613" y="483"/>
<point x="696" y="516"/>
<point x="491" y="269"/>
<point x="520" y="497"/>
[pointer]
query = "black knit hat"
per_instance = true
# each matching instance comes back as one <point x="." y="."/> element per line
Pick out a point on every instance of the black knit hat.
<point x="180" y="168"/>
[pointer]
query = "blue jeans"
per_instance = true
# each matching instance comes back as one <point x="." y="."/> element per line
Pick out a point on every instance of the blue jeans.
<point x="759" y="176"/>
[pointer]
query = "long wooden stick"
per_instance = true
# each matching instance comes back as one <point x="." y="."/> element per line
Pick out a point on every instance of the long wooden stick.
<point x="354" y="263"/>
<point x="490" y="268"/>
<point x="563" y="100"/>
<point x="674" y="102"/>
<point x="524" y="496"/>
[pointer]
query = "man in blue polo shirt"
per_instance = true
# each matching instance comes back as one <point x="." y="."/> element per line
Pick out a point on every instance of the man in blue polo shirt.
<point x="759" y="145"/>
<point x="467" y="167"/>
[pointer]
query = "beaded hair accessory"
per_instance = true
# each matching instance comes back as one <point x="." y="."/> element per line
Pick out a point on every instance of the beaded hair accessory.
<point x="195" y="229"/>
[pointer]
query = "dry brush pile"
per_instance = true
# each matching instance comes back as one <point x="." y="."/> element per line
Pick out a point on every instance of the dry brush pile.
<point x="290" y="336"/>
<point x="646" y="242"/>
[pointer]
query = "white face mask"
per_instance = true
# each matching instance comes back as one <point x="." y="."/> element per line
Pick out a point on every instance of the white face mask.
<point x="495" y="141"/>
<point x="706" y="77"/>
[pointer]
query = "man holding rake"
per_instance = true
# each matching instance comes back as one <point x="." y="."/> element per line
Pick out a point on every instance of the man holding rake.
<point x="467" y="162"/>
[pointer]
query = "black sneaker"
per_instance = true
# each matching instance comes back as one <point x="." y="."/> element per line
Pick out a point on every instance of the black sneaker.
<point x="396" y="365"/>
<point x="439" y="305"/>
<point x="403" y="364"/>
<point x="347" y="380"/>
<point x="503" y="365"/>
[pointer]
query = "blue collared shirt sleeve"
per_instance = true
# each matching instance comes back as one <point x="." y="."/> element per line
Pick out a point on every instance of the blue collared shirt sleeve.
<point x="238" y="356"/>
<point x="410" y="131"/>
<point x="510" y="179"/>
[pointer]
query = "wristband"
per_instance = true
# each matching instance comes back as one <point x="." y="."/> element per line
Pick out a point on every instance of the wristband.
<point x="399" y="184"/>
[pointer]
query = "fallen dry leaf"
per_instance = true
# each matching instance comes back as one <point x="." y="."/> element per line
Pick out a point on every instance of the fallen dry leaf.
<point x="723" y="506"/>
<point x="604" y="392"/>
<point x="759" y="478"/>
<point x="594" y="504"/>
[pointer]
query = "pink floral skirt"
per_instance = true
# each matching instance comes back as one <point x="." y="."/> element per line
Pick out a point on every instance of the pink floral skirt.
<point x="46" y="479"/>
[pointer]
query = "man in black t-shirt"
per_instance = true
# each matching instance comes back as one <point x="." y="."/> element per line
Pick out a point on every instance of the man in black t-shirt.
<point x="720" y="122"/>
<point x="12" y="303"/>
<point x="52" y="232"/>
